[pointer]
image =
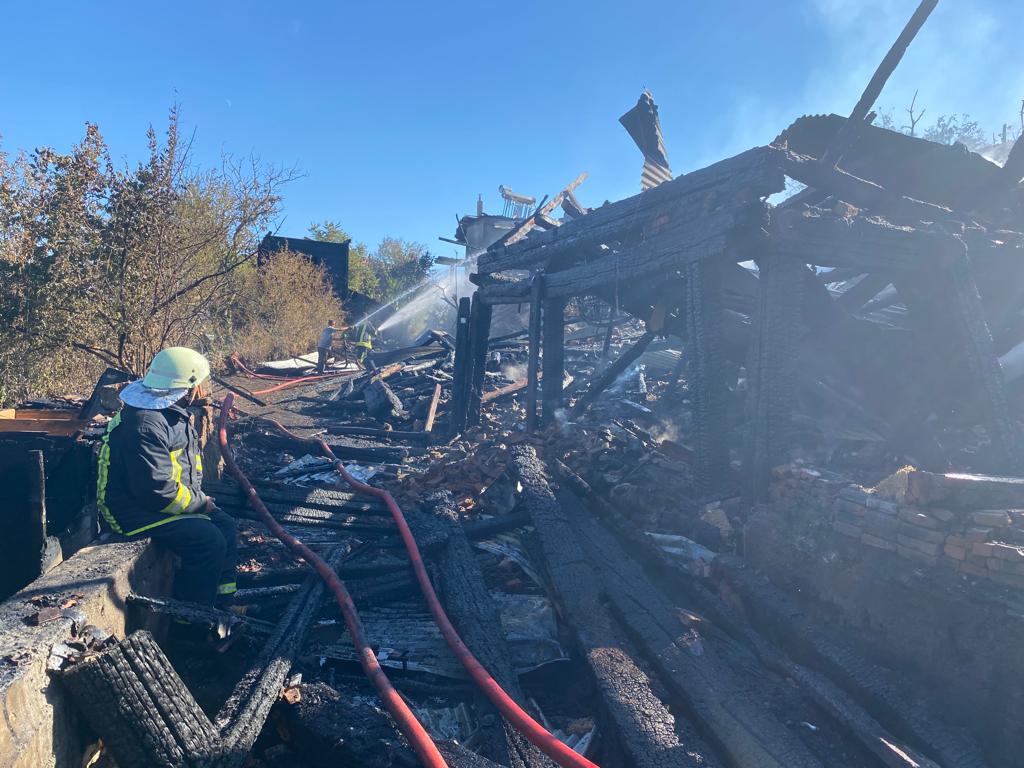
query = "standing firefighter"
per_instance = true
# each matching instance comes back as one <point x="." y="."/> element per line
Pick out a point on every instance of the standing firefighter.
<point x="151" y="472"/>
<point x="323" y="347"/>
<point x="364" y="342"/>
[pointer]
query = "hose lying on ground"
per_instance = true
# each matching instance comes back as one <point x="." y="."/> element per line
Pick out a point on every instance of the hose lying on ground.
<point x="534" y="732"/>
<point x="246" y="371"/>
<point x="406" y="720"/>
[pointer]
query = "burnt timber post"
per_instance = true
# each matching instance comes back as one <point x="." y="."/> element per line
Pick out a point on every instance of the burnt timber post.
<point x="705" y="376"/>
<point x="532" y="364"/>
<point x="954" y="347"/>
<point x="463" y="367"/>
<point x="971" y="327"/>
<point x="554" y="357"/>
<point x="36" y="510"/>
<point x="479" y="335"/>
<point x="771" y="369"/>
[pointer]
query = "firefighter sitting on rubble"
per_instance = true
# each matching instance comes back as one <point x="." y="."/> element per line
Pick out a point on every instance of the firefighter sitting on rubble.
<point x="151" y="472"/>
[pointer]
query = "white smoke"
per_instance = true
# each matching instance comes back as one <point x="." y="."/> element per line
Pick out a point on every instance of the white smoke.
<point x="942" y="65"/>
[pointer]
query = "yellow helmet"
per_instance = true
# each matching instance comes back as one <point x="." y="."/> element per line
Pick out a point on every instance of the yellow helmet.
<point x="176" y="368"/>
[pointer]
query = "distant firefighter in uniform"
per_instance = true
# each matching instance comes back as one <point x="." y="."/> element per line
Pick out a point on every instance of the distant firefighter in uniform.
<point x="364" y="342"/>
<point x="151" y="473"/>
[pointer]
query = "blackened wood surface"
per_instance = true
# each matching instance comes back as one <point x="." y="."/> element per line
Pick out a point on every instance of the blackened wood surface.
<point x="134" y="700"/>
<point x="878" y="80"/>
<point x="241" y="718"/>
<point x="859" y="192"/>
<point x="554" y="357"/>
<point x="722" y="696"/>
<point x="816" y="236"/>
<point x="832" y="652"/>
<point x="475" y="615"/>
<point x="607" y="377"/>
<point x="480" y="331"/>
<point x="757" y="170"/>
<point x="771" y="368"/>
<point x="533" y="359"/>
<point x="463" y="367"/>
<point x="644" y="726"/>
<point x="706" y="375"/>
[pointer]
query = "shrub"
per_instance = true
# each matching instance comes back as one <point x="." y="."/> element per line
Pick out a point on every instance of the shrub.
<point x="283" y="307"/>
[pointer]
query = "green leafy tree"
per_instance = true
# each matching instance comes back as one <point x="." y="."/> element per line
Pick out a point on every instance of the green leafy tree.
<point x="361" y="275"/>
<point x="104" y="266"/>
<point x="401" y="265"/>
<point x="385" y="273"/>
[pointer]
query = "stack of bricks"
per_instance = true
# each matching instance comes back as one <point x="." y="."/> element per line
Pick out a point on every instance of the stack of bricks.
<point x="797" y="487"/>
<point x="971" y="524"/>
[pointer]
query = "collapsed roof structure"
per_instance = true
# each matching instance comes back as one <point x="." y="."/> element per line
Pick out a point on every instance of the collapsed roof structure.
<point x="705" y="562"/>
<point x="884" y="292"/>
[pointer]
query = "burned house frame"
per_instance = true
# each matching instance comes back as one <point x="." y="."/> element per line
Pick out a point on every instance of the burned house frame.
<point x="937" y="223"/>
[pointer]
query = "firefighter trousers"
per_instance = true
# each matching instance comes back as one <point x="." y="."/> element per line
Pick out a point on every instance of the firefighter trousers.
<point x="207" y="549"/>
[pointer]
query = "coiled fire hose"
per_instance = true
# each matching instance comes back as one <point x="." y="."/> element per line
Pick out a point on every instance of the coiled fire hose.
<point x="534" y="732"/>
<point x="420" y="740"/>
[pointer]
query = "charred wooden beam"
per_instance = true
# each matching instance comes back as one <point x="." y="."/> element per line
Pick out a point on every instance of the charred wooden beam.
<point x="533" y="359"/>
<point x="134" y="700"/>
<point x="644" y="725"/>
<point x="771" y="368"/>
<point x="608" y="376"/>
<point x="542" y="212"/>
<point x="474" y="613"/>
<point x="722" y="699"/>
<point x="391" y="454"/>
<point x="870" y="244"/>
<point x="36" y="523"/>
<point x="243" y="715"/>
<point x="850" y="130"/>
<point x="859" y="192"/>
<point x="706" y="375"/>
<point x="463" y="368"/>
<point x="832" y="652"/>
<point x="753" y="173"/>
<point x="193" y="613"/>
<point x="553" y="332"/>
<point x="479" y="335"/>
<point x="892" y="750"/>
<point x="730" y="230"/>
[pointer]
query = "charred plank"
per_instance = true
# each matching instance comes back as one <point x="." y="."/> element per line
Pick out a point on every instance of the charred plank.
<point x="645" y="727"/>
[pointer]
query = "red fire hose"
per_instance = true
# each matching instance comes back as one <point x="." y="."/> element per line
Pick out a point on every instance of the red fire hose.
<point x="406" y="720"/>
<point x="237" y="362"/>
<point x="534" y="732"/>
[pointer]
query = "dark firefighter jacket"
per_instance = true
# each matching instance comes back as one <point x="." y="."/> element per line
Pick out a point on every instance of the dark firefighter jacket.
<point x="150" y="470"/>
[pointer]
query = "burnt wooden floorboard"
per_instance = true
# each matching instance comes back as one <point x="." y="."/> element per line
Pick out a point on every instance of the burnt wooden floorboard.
<point x="475" y="615"/>
<point x="723" y="701"/>
<point x="645" y="728"/>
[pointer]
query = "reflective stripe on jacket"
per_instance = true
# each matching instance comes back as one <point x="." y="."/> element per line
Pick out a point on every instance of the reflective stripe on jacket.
<point x="150" y="470"/>
<point x="365" y="338"/>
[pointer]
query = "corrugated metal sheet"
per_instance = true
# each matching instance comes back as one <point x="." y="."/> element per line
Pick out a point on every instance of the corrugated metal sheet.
<point x="643" y="125"/>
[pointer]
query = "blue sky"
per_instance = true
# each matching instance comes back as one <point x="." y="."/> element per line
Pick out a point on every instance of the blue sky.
<point x="399" y="113"/>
